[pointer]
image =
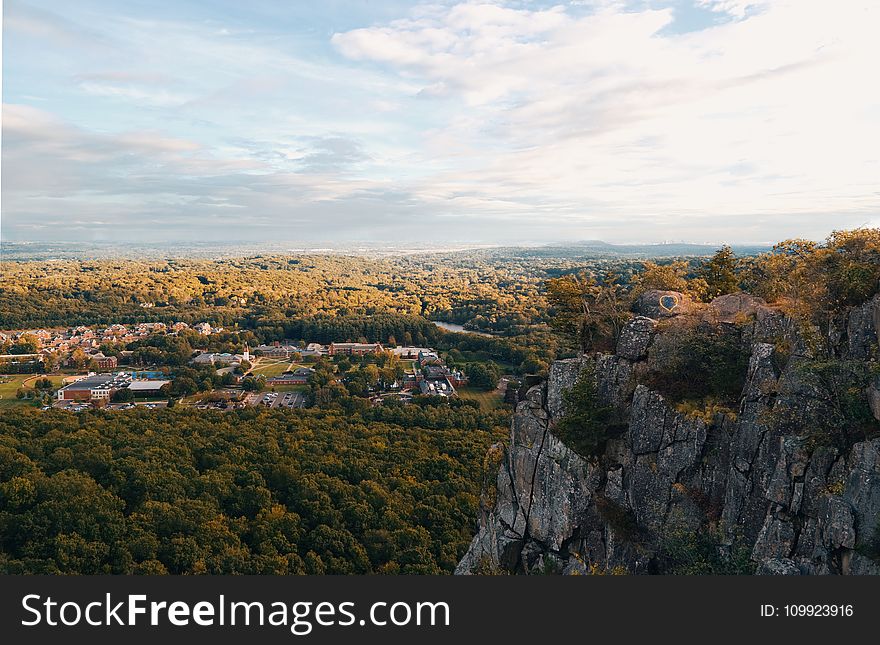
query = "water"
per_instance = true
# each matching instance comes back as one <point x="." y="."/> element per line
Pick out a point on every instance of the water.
<point x="458" y="329"/>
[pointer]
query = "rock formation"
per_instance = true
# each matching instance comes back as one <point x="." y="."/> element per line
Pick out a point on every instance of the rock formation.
<point x="766" y="492"/>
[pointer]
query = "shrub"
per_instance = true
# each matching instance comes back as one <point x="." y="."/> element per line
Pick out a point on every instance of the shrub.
<point x="693" y="362"/>
<point x="684" y="551"/>
<point x="621" y="520"/>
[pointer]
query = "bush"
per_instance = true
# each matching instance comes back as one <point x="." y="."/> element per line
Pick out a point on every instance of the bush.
<point x="693" y="362"/>
<point x="685" y="551"/>
<point x="621" y="520"/>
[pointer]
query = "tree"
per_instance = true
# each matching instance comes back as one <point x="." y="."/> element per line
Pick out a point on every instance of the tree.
<point x="122" y="396"/>
<point x="589" y="313"/>
<point x="720" y="273"/>
<point x="668" y="277"/>
<point x="251" y="384"/>
<point x="483" y="375"/>
<point x="584" y="424"/>
<point x="25" y="344"/>
<point x="78" y="359"/>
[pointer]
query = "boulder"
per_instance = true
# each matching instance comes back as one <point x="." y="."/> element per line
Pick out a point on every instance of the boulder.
<point x="861" y="330"/>
<point x="734" y="307"/>
<point x="635" y="338"/>
<point x="663" y="304"/>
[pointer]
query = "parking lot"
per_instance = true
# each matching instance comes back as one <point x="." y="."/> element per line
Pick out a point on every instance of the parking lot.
<point x="278" y="399"/>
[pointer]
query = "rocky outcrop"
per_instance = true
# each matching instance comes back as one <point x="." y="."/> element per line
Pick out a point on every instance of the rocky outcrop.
<point x="861" y="331"/>
<point x="766" y="494"/>
<point x="635" y="338"/>
<point x="663" y="304"/>
<point x="734" y="307"/>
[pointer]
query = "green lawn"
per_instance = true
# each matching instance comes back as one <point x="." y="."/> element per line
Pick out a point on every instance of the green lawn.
<point x="490" y="400"/>
<point x="270" y="367"/>
<point x="9" y="384"/>
<point x="287" y="388"/>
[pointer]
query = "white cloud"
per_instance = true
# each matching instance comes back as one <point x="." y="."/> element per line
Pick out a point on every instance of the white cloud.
<point x="496" y="119"/>
<point x="773" y="113"/>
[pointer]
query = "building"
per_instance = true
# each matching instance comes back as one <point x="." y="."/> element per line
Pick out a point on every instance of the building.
<point x="205" y="358"/>
<point x="208" y="358"/>
<point x="22" y="363"/>
<point x="95" y="387"/>
<point x="276" y="350"/>
<point x="104" y="362"/>
<point x="300" y="376"/>
<point x="437" y="387"/>
<point x="410" y="353"/>
<point x="148" y="387"/>
<point x="353" y="349"/>
<point x="314" y="349"/>
<point x="429" y="357"/>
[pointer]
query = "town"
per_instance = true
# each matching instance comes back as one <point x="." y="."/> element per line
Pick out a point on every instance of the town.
<point x="67" y="369"/>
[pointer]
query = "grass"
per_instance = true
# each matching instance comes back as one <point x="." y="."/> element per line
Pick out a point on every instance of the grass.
<point x="9" y="385"/>
<point x="491" y="400"/>
<point x="288" y="388"/>
<point x="270" y="368"/>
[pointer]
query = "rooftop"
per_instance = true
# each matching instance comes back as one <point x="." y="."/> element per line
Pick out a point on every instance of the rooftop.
<point x="141" y="386"/>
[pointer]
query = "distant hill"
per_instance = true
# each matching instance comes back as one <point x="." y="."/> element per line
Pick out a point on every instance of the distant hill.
<point x="676" y="249"/>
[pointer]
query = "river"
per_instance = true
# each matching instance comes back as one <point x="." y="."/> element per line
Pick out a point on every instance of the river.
<point x="458" y="329"/>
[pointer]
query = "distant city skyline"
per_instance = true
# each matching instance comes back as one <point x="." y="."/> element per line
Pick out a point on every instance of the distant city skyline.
<point x="505" y="122"/>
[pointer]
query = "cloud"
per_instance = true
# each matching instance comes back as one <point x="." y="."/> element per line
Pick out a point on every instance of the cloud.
<point x="629" y="120"/>
<point x="604" y="114"/>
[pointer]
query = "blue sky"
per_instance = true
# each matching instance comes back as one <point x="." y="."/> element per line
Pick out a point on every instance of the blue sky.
<point x="483" y="122"/>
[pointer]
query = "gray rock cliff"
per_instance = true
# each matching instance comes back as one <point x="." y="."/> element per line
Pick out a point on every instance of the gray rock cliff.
<point x="765" y="493"/>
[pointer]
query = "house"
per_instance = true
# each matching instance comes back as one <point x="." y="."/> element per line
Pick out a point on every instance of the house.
<point x="353" y="349"/>
<point x="204" y="328"/>
<point x="115" y="331"/>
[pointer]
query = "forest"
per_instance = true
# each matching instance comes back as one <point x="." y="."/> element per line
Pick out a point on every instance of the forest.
<point x="345" y="487"/>
<point x="389" y="490"/>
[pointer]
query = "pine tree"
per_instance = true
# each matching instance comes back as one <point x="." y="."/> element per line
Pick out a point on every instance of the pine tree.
<point x="719" y="272"/>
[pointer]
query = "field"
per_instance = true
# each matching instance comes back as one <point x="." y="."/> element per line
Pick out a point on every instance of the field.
<point x="270" y="367"/>
<point x="491" y="400"/>
<point x="9" y="384"/>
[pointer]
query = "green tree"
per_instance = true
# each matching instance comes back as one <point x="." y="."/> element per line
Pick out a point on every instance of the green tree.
<point x="720" y="273"/>
<point x="123" y="395"/>
<point x="584" y="426"/>
<point x="587" y="312"/>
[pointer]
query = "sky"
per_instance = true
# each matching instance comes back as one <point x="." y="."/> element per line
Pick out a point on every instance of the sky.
<point x="224" y="121"/>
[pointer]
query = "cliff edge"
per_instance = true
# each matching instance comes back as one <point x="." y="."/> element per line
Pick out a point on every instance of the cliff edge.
<point x="745" y="491"/>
